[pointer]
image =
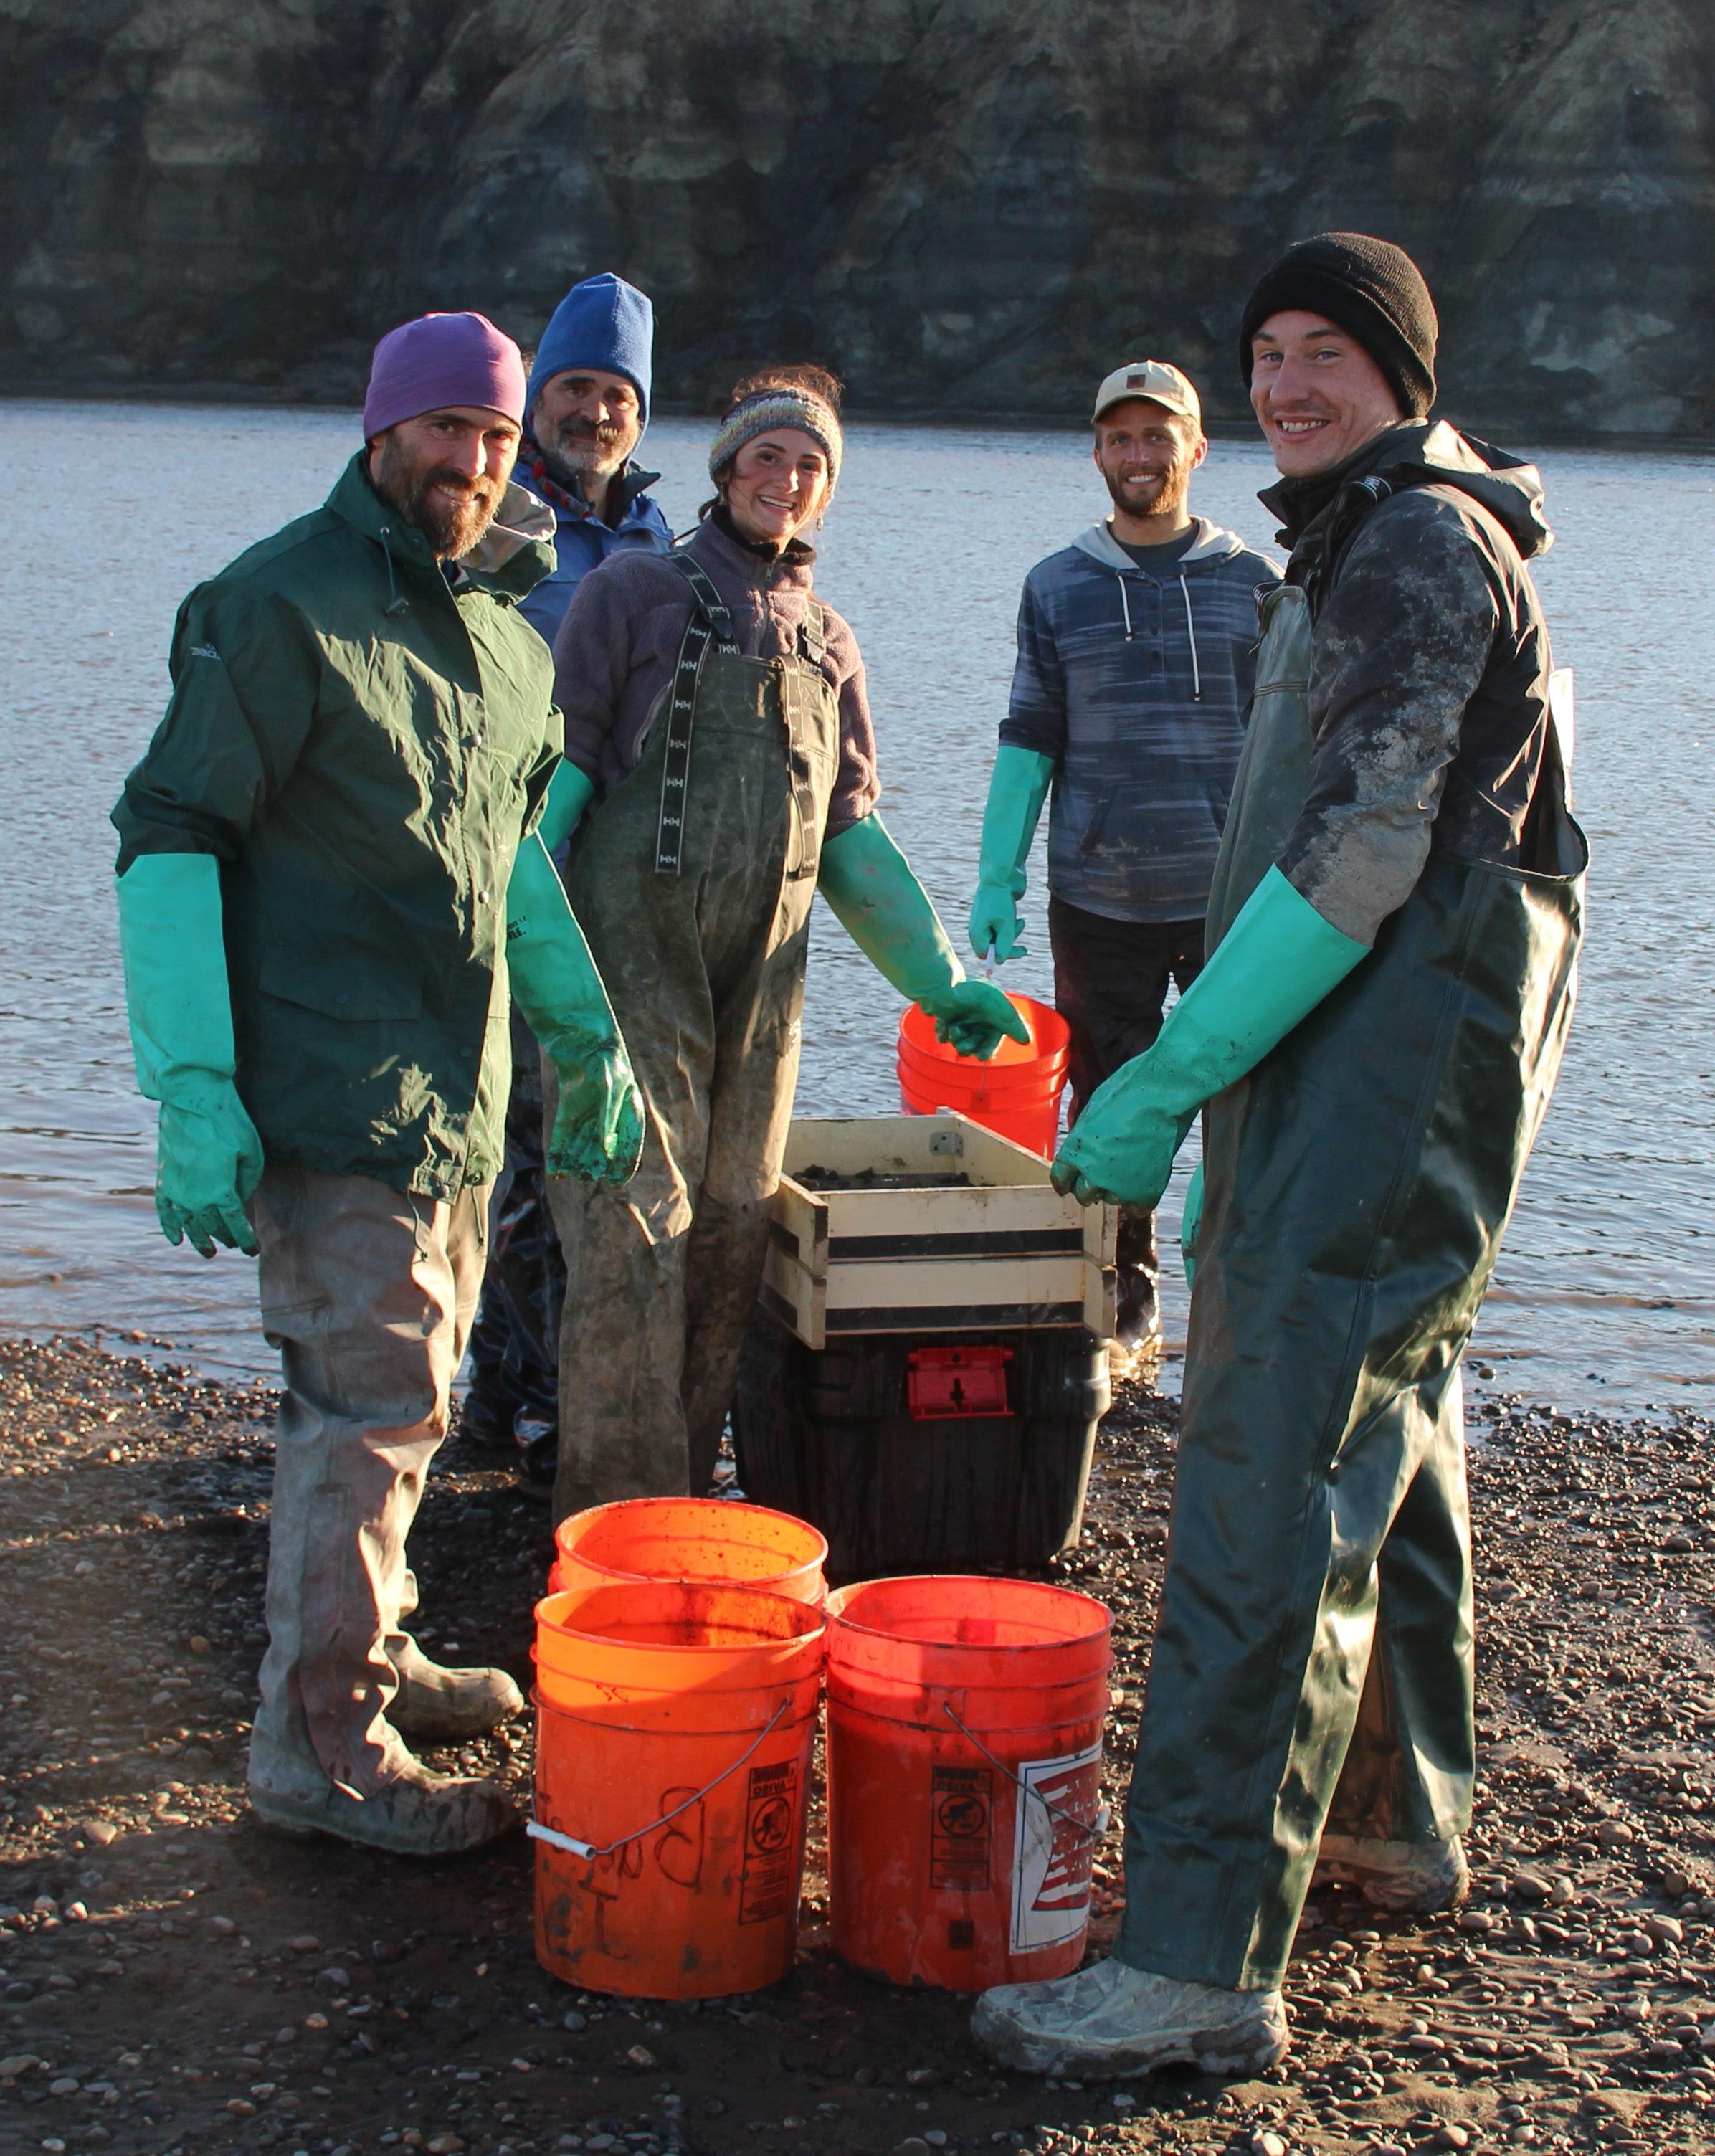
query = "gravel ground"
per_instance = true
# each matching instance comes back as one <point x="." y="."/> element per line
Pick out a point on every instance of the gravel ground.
<point x="174" y="1979"/>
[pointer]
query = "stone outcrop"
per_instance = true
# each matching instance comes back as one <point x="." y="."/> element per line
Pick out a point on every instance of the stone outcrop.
<point x="972" y="204"/>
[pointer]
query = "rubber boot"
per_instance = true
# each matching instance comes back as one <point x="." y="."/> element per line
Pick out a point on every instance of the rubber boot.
<point x="447" y="1705"/>
<point x="1112" y="2020"/>
<point x="417" y="1814"/>
<point x="1406" y="1878"/>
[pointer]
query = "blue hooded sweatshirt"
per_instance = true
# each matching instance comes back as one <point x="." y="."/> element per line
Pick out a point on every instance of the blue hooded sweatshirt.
<point x="1137" y="686"/>
<point x="606" y="324"/>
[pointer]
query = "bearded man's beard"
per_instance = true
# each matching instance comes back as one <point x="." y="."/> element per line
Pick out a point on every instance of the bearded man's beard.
<point x="579" y="449"/>
<point x="452" y="528"/>
<point x="1168" y="502"/>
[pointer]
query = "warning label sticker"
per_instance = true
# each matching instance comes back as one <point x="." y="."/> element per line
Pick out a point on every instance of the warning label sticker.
<point x="771" y="1840"/>
<point x="1053" y="1848"/>
<point x="960" y="1817"/>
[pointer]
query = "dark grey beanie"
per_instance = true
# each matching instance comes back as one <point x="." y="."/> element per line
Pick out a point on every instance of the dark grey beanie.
<point x="1369" y="288"/>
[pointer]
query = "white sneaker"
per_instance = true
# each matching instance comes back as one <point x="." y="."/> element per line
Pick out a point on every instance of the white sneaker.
<point x="1406" y="1878"/>
<point x="1113" y="2020"/>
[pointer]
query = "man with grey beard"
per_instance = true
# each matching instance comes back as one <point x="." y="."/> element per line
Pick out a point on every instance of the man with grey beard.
<point x="587" y="406"/>
<point x="586" y="409"/>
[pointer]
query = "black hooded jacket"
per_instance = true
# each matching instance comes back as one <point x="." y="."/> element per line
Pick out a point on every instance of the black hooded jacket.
<point x="1429" y="687"/>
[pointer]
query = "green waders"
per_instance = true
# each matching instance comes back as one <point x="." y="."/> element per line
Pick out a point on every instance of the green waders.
<point x="693" y="883"/>
<point x="1313" y="1660"/>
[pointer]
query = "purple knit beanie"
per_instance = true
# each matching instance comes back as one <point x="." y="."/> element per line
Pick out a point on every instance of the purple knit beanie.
<point x="440" y="360"/>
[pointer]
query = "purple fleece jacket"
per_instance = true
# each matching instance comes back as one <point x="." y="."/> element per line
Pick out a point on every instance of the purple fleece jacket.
<point x="615" y="652"/>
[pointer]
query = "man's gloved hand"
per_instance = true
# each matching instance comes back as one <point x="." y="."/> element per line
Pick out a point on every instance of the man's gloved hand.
<point x="1121" y="1150"/>
<point x="1016" y="791"/>
<point x="598" y="1133"/>
<point x="209" y="1157"/>
<point x="209" y="1162"/>
<point x="598" y="1126"/>
<point x="887" y="914"/>
<point x="1271" y="970"/>
<point x="972" y="1016"/>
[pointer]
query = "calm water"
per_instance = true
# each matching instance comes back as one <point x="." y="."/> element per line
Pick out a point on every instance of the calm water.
<point x="1606" y="1288"/>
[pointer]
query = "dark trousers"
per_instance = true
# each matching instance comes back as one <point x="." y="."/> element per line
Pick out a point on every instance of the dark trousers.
<point x="1110" y="979"/>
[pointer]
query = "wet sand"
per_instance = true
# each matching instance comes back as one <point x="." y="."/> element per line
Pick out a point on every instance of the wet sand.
<point x="171" y="1978"/>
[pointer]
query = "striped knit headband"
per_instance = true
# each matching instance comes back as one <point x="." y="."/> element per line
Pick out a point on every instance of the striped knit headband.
<point x="769" y="408"/>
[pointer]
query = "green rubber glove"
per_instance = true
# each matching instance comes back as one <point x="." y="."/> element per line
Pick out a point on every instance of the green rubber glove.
<point x="209" y="1157"/>
<point x="887" y="914"/>
<point x="598" y="1133"/>
<point x="1016" y="792"/>
<point x="1272" y="968"/>
<point x="1191" y="1225"/>
<point x="570" y="791"/>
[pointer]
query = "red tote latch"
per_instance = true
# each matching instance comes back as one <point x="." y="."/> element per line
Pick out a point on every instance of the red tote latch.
<point x="952" y="1384"/>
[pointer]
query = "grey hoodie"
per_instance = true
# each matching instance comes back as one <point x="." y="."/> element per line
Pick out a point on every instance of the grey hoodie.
<point x="1136" y="685"/>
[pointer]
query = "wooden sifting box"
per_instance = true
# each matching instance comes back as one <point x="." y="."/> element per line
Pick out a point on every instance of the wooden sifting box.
<point x="888" y="1252"/>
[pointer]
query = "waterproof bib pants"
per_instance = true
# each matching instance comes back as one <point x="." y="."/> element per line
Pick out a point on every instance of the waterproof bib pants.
<point x="693" y="883"/>
<point x="1312" y="1659"/>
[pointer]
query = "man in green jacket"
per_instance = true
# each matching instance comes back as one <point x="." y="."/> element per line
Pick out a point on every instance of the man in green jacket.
<point x="327" y="869"/>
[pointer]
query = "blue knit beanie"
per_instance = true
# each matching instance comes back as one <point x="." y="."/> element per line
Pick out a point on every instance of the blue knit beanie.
<point x="603" y="323"/>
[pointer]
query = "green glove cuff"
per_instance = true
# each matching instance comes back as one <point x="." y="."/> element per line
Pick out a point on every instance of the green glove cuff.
<point x="1272" y="968"/>
<point x="1269" y="972"/>
<point x="1017" y="789"/>
<point x="178" y="996"/>
<point x="887" y="913"/>
<point x="570" y="791"/>
<point x="209" y="1157"/>
<point x="553" y="975"/>
<point x="1191" y="1225"/>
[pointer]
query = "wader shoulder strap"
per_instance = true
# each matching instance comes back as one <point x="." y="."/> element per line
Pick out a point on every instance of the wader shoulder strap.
<point x="812" y="645"/>
<point x="710" y="624"/>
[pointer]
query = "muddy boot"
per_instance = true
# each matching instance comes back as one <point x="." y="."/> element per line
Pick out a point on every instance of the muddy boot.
<point x="1406" y="1878"/>
<point x="416" y="1814"/>
<point x="1112" y="2020"/>
<point x="447" y="1705"/>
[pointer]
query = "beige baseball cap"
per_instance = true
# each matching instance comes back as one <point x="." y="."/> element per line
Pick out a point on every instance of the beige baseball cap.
<point x="1152" y="378"/>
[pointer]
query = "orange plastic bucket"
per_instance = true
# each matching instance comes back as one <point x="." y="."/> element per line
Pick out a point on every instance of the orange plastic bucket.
<point x="674" y="1729"/>
<point x="964" y="1754"/>
<point x="710" y="1539"/>
<point x="1016" y="1094"/>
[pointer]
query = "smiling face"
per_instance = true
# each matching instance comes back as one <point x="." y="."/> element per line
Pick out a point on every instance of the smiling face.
<point x="778" y="483"/>
<point x="587" y="422"/>
<point x="1147" y="455"/>
<point x="1317" y="394"/>
<point x="445" y="471"/>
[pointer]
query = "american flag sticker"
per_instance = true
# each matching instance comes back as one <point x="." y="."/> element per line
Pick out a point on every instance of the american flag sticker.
<point x="1052" y="1850"/>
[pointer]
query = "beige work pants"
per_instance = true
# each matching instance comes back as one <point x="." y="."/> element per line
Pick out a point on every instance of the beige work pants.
<point x="368" y="1293"/>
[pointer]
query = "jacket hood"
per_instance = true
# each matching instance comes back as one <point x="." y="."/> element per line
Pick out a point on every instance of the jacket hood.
<point x="515" y="552"/>
<point x="517" y="549"/>
<point x="1210" y="542"/>
<point x="1428" y="453"/>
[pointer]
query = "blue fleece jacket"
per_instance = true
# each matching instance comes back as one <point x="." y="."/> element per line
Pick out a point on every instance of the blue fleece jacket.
<point x="1137" y="686"/>
<point x="583" y="540"/>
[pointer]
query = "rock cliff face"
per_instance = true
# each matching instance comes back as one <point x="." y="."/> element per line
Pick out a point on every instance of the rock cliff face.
<point x="971" y="203"/>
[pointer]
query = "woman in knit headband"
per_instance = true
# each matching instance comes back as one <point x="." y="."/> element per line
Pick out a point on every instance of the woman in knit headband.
<point x="721" y="770"/>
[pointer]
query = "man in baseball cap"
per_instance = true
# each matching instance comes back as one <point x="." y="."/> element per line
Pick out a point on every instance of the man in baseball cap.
<point x="1134" y="667"/>
<point x="326" y="873"/>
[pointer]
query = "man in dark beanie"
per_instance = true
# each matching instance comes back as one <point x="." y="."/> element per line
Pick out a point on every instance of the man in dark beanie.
<point x="1372" y="1040"/>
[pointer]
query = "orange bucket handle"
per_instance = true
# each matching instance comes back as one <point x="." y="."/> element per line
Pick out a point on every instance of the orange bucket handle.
<point x="1092" y="1831"/>
<point x="573" y="1847"/>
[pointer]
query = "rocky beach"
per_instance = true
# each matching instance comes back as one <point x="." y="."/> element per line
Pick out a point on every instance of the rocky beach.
<point x="173" y="1979"/>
